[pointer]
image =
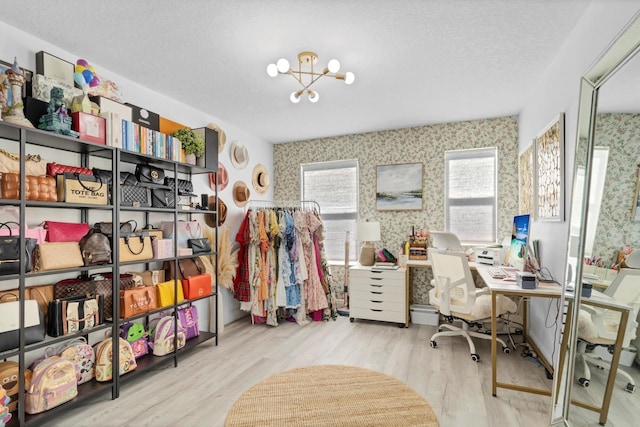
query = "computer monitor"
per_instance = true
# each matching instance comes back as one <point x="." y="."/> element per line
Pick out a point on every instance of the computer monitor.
<point x="445" y="240"/>
<point x="519" y="241"/>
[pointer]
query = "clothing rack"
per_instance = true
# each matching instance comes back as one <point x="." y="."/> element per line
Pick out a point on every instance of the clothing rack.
<point x="297" y="204"/>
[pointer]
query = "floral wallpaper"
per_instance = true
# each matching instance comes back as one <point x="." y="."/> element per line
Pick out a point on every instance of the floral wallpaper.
<point x="620" y="132"/>
<point x="425" y="144"/>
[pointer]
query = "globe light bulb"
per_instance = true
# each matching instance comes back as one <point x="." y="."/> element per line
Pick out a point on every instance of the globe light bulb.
<point x="295" y="98"/>
<point x="314" y="96"/>
<point x="334" y="66"/>
<point x="349" y="77"/>
<point x="283" y="65"/>
<point x="272" y="70"/>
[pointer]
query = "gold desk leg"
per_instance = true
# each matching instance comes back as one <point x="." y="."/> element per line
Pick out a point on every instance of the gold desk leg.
<point x="494" y="337"/>
<point x="608" y="391"/>
<point x="563" y="349"/>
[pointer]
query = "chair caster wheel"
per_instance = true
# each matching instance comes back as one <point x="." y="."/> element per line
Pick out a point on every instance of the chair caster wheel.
<point x="583" y="382"/>
<point x="351" y="319"/>
<point x="433" y="344"/>
<point x="631" y="388"/>
<point x="506" y="350"/>
<point x="475" y="357"/>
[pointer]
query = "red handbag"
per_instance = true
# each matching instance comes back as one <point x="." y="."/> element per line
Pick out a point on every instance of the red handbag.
<point x="65" y="231"/>
<point x="197" y="286"/>
<point x="54" y="169"/>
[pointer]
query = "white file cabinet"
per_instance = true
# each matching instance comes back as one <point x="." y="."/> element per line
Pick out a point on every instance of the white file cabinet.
<point x="378" y="295"/>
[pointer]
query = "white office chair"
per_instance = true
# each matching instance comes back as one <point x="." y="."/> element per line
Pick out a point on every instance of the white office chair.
<point x="445" y="240"/>
<point x="599" y="327"/>
<point x="457" y="298"/>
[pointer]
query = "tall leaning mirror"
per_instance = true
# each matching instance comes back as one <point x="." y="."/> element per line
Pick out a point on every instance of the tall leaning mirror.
<point x="601" y="368"/>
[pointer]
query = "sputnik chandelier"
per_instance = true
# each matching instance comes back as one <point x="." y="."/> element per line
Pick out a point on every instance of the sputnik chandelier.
<point x="306" y="76"/>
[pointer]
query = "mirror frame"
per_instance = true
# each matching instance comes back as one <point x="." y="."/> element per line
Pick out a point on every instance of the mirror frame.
<point x="618" y="53"/>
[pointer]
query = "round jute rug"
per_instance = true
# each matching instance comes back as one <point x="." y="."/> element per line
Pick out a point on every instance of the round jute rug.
<point x="331" y="395"/>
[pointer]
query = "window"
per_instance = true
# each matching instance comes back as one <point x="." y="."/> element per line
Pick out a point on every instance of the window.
<point x="471" y="188"/>
<point x="334" y="185"/>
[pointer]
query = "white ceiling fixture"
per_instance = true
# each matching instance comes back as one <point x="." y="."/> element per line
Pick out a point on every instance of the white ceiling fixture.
<point x="306" y="76"/>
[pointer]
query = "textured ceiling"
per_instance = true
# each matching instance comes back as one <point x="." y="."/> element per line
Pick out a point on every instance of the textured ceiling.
<point x="416" y="62"/>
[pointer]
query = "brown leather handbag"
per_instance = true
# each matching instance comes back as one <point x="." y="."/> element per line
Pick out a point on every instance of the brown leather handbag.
<point x="41" y="188"/>
<point x="186" y="267"/>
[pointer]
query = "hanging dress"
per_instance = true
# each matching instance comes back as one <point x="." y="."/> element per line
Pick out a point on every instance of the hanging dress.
<point x="315" y="295"/>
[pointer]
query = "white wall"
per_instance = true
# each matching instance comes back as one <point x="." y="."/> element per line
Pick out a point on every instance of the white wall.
<point x="558" y="91"/>
<point x="16" y="43"/>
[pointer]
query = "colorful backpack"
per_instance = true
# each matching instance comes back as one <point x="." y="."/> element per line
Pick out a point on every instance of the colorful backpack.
<point x="9" y="372"/>
<point x="53" y="383"/>
<point x="83" y="357"/>
<point x="161" y="332"/>
<point x="104" y="355"/>
<point x="5" y="416"/>
<point x="137" y="336"/>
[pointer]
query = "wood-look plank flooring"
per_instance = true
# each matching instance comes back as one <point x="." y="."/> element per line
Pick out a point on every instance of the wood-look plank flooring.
<point x="208" y="379"/>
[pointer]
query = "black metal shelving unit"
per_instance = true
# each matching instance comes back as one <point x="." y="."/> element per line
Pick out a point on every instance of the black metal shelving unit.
<point x="27" y="137"/>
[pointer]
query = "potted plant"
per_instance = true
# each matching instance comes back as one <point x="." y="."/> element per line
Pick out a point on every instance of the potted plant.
<point x="192" y="144"/>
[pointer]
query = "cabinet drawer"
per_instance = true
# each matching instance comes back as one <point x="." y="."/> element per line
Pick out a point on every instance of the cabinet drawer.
<point x="376" y="294"/>
<point x="376" y="304"/>
<point x="378" y="285"/>
<point x="377" y="274"/>
<point x="376" y="314"/>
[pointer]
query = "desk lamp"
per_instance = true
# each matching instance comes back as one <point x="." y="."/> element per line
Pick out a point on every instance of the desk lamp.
<point x="367" y="233"/>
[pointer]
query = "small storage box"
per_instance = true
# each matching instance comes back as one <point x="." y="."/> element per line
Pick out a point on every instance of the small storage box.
<point x="424" y="315"/>
<point x="91" y="128"/>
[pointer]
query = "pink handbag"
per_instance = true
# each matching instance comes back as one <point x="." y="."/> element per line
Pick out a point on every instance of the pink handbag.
<point x="13" y="228"/>
<point x="65" y="231"/>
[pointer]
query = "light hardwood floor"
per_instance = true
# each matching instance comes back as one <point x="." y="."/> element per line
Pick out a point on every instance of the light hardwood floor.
<point x="201" y="390"/>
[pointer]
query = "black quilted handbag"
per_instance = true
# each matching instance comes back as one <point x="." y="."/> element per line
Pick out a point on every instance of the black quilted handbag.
<point x="163" y="198"/>
<point x="135" y="195"/>
<point x="185" y="187"/>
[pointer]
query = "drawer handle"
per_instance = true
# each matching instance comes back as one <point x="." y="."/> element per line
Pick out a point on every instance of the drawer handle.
<point x="377" y="278"/>
<point x="377" y="293"/>
<point x="375" y="310"/>
<point x="376" y="286"/>
<point x="376" y="271"/>
<point x="377" y="302"/>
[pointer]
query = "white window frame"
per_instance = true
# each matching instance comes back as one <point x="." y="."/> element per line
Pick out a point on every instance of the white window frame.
<point x="324" y="166"/>
<point x="472" y="153"/>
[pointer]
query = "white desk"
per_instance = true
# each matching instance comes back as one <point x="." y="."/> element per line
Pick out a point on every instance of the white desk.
<point x="547" y="290"/>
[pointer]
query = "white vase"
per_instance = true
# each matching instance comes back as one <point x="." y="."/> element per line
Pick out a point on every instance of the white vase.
<point x="190" y="159"/>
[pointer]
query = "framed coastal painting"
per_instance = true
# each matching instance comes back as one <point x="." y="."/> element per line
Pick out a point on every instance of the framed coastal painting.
<point x="526" y="178"/>
<point x="549" y="167"/>
<point x="399" y="187"/>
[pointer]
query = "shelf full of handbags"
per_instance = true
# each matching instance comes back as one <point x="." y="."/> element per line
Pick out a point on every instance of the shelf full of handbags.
<point x="83" y="369"/>
<point x="76" y="307"/>
<point x="23" y="139"/>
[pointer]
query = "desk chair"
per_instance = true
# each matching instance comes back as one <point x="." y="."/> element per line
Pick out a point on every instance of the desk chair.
<point x="445" y="240"/>
<point x="455" y="295"/>
<point x="599" y="327"/>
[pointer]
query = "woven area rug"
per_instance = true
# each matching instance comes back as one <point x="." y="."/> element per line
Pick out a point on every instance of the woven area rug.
<point x="331" y="395"/>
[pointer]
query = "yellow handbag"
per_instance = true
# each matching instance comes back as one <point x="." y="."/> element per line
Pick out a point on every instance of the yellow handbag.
<point x="135" y="247"/>
<point x="166" y="292"/>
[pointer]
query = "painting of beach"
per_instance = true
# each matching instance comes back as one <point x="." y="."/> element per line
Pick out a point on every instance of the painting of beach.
<point x="399" y="187"/>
